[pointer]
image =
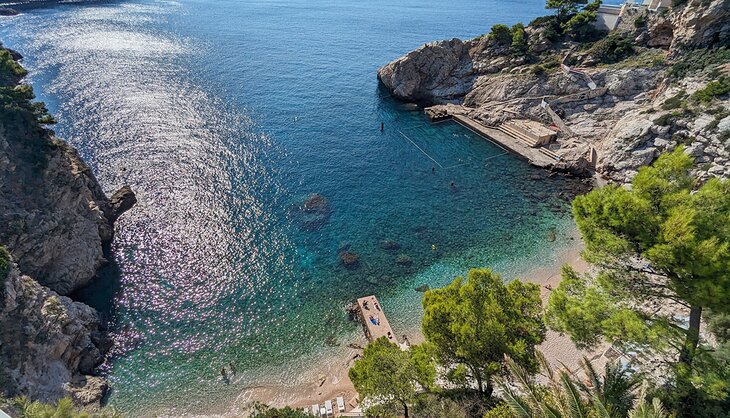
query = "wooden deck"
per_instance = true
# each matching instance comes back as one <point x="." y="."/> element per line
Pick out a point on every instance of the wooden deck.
<point x="533" y="155"/>
<point x="374" y="322"/>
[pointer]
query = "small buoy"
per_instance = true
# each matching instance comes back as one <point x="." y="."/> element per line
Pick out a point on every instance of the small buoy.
<point x="433" y="247"/>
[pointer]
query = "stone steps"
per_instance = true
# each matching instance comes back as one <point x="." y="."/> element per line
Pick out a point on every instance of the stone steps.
<point x="514" y="133"/>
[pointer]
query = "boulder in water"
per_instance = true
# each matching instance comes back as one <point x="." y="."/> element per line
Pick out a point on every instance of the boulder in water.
<point x="313" y="213"/>
<point x="349" y="259"/>
<point x="389" y="245"/>
<point x="404" y="260"/>
<point x="423" y="288"/>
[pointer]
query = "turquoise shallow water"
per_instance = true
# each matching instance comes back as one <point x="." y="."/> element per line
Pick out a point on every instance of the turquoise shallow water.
<point x="224" y="116"/>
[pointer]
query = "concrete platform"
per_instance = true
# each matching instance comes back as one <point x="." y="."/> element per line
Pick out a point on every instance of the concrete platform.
<point x="533" y="155"/>
<point x="375" y="324"/>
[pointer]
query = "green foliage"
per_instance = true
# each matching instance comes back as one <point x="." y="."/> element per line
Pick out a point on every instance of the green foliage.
<point x="519" y="40"/>
<point x="712" y="90"/>
<point x="502" y="410"/>
<point x="477" y="321"/>
<point x="613" y="48"/>
<point x="64" y="408"/>
<point x="580" y="25"/>
<point x="10" y="70"/>
<point x="588" y="312"/>
<point x="661" y="241"/>
<point x="703" y="59"/>
<point x="676" y="101"/>
<point x="501" y="34"/>
<point x="4" y="267"/>
<point x="640" y="21"/>
<point x="391" y="376"/>
<point x="667" y="119"/>
<point x="564" y="9"/>
<point x="677" y="3"/>
<point x="259" y="410"/>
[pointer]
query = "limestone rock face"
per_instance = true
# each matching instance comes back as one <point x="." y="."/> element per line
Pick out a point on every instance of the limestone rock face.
<point x="54" y="216"/>
<point x="436" y="72"/>
<point x="49" y="344"/>
<point x="702" y="24"/>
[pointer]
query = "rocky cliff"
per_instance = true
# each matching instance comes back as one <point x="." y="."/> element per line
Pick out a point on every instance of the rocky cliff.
<point x="618" y="126"/>
<point x="57" y="223"/>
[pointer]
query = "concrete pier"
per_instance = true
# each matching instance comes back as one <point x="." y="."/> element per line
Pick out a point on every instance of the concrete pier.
<point x="535" y="156"/>
<point x="374" y="322"/>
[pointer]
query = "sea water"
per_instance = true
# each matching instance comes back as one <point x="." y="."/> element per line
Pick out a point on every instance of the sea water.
<point x="225" y="116"/>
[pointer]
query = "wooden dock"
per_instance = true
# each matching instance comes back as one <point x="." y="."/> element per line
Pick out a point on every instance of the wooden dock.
<point x="534" y="156"/>
<point x="374" y="322"/>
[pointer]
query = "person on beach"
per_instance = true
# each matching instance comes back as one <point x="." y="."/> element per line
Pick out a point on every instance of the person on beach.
<point x="224" y="374"/>
<point x="233" y="368"/>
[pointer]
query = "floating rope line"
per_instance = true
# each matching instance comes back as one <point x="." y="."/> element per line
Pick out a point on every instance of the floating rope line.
<point x="421" y="149"/>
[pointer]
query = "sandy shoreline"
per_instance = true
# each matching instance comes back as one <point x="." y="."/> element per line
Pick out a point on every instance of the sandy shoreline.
<point x="328" y="379"/>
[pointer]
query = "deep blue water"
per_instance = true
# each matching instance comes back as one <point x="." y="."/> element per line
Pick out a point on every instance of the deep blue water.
<point x="224" y="116"/>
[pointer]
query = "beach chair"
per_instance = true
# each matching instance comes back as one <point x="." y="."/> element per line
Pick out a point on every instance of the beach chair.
<point x="315" y="409"/>
<point x="305" y="410"/>
<point x="328" y="406"/>
<point x="323" y="411"/>
<point x="340" y="404"/>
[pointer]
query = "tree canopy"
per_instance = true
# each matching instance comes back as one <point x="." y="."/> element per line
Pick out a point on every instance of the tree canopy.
<point x="474" y="323"/>
<point x="661" y="245"/>
<point x="388" y="375"/>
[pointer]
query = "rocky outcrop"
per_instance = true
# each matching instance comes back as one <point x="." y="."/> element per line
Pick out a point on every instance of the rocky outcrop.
<point x="436" y="72"/>
<point x="49" y="344"/>
<point x="56" y="217"/>
<point x="701" y="24"/>
<point x="56" y="222"/>
<point x="611" y="129"/>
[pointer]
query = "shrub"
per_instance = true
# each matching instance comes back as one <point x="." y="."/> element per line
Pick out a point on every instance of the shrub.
<point x="580" y="26"/>
<point x="712" y="90"/>
<point x="501" y="34"/>
<point x="675" y="101"/>
<point x="612" y="48"/>
<point x="677" y="3"/>
<point x="4" y="267"/>
<point x="700" y="60"/>
<point x="640" y="21"/>
<point x="519" y="40"/>
<point x="666" y="119"/>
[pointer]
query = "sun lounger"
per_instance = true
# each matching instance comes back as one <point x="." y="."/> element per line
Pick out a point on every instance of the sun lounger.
<point x="315" y="410"/>
<point x="322" y="411"/>
<point x="305" y="410"/>
<point x="328" y="406"/>
<point x="340" y="404"/>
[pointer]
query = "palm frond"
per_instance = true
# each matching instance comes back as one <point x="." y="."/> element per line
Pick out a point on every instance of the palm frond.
<point x="599" y="409"/>
<point x="550" y="412"/>
<point x="572" y="396"/>
<point x="519" y="406"/>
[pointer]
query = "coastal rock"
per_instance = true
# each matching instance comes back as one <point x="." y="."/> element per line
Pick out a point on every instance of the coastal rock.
<point x="54" y="216"/>
<point x="701" y="23"/>
<point x="436" y="72"/>
<point x="50" y="344"/>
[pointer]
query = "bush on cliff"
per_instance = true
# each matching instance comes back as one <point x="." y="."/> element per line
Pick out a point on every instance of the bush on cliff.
<point x="4" y="267"/>
<point x="519" y="40"/>
<point x="612" y="49"/>
<point x="501" y="34"/>
<point x="64" y="408"/>
<point x="712" y="90"/>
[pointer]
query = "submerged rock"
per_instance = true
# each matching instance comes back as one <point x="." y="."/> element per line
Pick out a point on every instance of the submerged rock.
<point x="404" y="260"/>
<point x="389" y="245"/>
<point x="349" y="259"/>
<point x="313" y="213"/>
<point x="423" y="288"/>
